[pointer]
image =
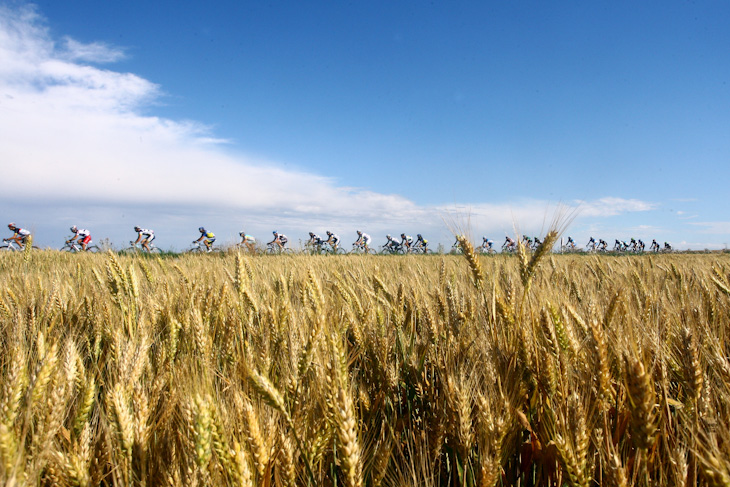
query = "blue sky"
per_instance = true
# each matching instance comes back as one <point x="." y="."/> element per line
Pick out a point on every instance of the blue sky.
<point x="383" y="116"/>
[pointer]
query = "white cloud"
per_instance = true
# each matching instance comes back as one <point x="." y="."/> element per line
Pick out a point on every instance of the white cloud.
<point x="96" y="52"/>
<point x="610" y="206"/>
<point x="72" y="132"/>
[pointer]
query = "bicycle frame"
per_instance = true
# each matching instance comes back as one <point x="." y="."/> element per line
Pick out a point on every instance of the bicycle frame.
<point x="13" y="245"/>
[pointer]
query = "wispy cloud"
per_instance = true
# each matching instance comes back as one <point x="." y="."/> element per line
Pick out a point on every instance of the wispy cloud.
<point x="95" y="52"/>
<point x="611" y="206"/>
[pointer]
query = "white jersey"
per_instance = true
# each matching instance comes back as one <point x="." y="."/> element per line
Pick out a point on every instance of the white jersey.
<point x="146" y="232"/>
<point x="365" y="238"/>
<point x="83" y="233"/>
<point x="22" y="232"/>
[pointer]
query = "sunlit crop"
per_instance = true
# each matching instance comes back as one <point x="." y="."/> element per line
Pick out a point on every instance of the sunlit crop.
<point x="533" y="369"/>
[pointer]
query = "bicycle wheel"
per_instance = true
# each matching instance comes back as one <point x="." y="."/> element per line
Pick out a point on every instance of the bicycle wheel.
<point x="93" y="249"/>
<point x="6" y="248"/>
<point x="155" y="250"/>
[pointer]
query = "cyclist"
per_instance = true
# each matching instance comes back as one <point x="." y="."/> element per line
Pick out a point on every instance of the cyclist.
<point x="591" y="245"/>
<point x="633" y="244"/>
<point x="486" y="244"/>
<point x="602" y="245"/>
<point x="82" y="234"/>
<point x="279" y="239"/>
<point x="654" y="246"/>
<point x="145" y="236"/>
<point x="314" y="241"/>
<point x="406" y="240"/>
<point x="640" y="246"/>
<point x="536" y="243"/>
<point x="421" y="243"/>
<point x="527" y="241"/>
<point x="667" y="247"/>
<point x="20" y="235"/>
<point x="508" y="244"/>
<point x="457" y="244"/>
<point x="363" y="240"/>
<point x="249" y="241"/>
<point x="570" y="243"/>
<point x="208" y="236"/>
<point x="391" y="244"/>
<point x="333" y="240"/>
<point x="617" y="246"/>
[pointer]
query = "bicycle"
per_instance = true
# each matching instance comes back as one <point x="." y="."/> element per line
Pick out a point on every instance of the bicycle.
<point x="420" y="249"/>
<point x="75" y="246"/>
<point x="456" y="249"/>
<point x="392" y="249"/>
<point x="328" y="248"/>
<point x="274" y="249"/>
<point x="11" y="245"/>
<point x="312" y="248"/>
<point x="362" y="249"/>
<point x="509" y="248"/>
<point x="138" y="247"/>
<point x="199" y="247"/>
<point x="486" y="249"/>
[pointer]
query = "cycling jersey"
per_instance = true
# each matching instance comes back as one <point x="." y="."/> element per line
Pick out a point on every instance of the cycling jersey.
<point x="146" y="232"/>
<point x="22" y="232"/>
<point x="82" y="233"/>
<point x="334" y="239"/>
<point x="364" y="239"/>
<point x="248" y="239"/>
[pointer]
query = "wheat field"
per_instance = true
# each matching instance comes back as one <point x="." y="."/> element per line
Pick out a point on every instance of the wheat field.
<point x="534" y="369"/>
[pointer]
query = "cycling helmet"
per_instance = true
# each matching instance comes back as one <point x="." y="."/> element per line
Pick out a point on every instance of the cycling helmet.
<point x="329" y="233"/>
<point x="201" y="230"/>
<point x="274" y="232"/>
<point x="403" y="235"/>
<point x="359" y="232"/>
<point x="11" y="225"/>
<point x="419" y="235"/>
<point x="311" y="234"/>
<point x="242" y="233"/>
<point x="74" y="229"/>
<point x="388" y="237"/>
<point x="137" y="229"/>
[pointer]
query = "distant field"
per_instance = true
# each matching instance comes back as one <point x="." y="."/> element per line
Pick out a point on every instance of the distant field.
<point x="229" y="369"/>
